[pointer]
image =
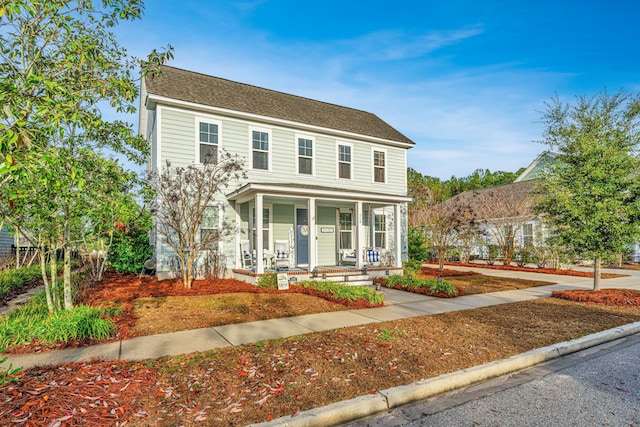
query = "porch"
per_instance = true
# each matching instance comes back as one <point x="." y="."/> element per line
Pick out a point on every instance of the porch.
<point x="310" y="231"/>
<point x="343" y="274"/>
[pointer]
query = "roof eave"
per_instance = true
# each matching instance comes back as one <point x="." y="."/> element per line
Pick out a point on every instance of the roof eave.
<point x="153" y="99"/>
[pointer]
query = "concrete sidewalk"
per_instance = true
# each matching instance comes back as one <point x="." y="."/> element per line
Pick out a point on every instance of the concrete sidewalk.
<point x="398" y="305"/>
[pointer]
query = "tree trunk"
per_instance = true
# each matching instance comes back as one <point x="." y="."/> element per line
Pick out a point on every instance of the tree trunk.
<point x="441" y="255"/>
<point x="597" y="266"/>
<point x="68" y="298"/>
<point x="55" y="295"/>
<point x="47" y="284"/>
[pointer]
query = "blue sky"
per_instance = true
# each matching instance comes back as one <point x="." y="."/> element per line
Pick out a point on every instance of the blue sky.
<point x="465" y="80"/>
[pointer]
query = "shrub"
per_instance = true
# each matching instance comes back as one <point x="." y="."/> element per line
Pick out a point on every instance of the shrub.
<point x="412" y="266"/>
<point x="13" y="280"/>
<point x="349" y="293"/>
<point x="130" y="246"/>
<point x="32" y="322"/>
<point x="434" y="285"/>
<point x="417" y="246"/>
<point x="268" y="281"/>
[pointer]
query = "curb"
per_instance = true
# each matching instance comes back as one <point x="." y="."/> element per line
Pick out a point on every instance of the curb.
<point x="385" y="400"/>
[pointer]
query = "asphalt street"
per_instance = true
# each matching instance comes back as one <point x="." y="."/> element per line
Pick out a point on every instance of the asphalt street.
<point x="599" y="386"/>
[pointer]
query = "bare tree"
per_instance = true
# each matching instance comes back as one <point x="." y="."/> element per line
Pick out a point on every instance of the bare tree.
<point x="503" y="210"/>
<point x="442" y="224"/>
<point x="186" y="201"/>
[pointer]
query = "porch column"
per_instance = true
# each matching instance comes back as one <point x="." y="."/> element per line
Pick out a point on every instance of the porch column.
<point x="237" y="232"/>
<point x="398" y="231"/>
<point x="359" y="236"/>
<point x="259" y="243"/>
<point x="313" y="256"/>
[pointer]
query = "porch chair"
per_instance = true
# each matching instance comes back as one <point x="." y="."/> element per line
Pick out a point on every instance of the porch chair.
<point x="372" y="256"/>
<point x="246" y="254"/>
<point x="282" y="255"/>
<point x="348" y="257"/>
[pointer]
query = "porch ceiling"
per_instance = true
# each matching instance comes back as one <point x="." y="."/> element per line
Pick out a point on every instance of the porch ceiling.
<point x="294" y="191"/>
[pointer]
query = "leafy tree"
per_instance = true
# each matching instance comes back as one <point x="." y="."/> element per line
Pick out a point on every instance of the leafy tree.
<point x="591" y="194"/>
<point x="59" y="63"/>
<point x="184" y="196"/>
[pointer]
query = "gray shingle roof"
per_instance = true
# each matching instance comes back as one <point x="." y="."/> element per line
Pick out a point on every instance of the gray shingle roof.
<point x="212" y="91"/>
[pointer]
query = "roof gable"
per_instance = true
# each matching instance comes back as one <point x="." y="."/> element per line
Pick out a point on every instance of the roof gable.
<point x="212" y="91"/>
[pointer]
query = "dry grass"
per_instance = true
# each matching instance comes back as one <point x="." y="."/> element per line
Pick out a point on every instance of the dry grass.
<point x="256" y="382"/>
<point x="177" y="313"/>
<point x="480" y="284"/>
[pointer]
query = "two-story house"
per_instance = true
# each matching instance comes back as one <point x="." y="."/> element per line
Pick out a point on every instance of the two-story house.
<point x="328" y="183"/>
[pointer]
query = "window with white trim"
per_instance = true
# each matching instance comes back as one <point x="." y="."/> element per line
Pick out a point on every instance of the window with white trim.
<point x="527" y="235"/>
<point x="266" y="228"/>
<point x="260" y="150"/>
<point x="207" y="142"/>
<point x="379" y="231"/>
<point x="346" y="230"/>
<point x="210" y="228"/>
<point x="305" y="156"/>
<point x="344" y="161"/>
<point x="379" y="166"/>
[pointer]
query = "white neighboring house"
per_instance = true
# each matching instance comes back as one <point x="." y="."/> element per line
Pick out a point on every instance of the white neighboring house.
<point x="531" y="231"/>
<point x="329" y="180"/>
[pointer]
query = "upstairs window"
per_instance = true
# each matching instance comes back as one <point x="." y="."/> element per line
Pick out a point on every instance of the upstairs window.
<point x="379" y="166"/>
<point x="260" y="155"/>
<point x="344" y="161"/>
<point x="208" y="142"/>
<point x="305" y="156"/>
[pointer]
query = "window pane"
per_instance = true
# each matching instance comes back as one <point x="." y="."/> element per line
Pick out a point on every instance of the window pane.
<point x="304" y="165"/>
<point x="260" y="141"/>
<point x="379" y="240"/>
<point x="345" y="220"/>
<point x="209" y="238"/>
<point x="378" y="158"/>
<point x="345" y="170"/>
<point x="345" y="153"/>
<point x="345" y="240"/>
<point x="265" y="218"/>
<point x="210" y="217"/>
<point x="208" y="153"/>
<point x="260" y="160"/>
<point x="378" y="174"/>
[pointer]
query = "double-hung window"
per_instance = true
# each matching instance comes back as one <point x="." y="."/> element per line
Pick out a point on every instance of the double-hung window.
<point x="380" y="231"/>
<point x="379" y="166"/>
<point x="346" y="230"/>
<point x="344" y="161"/>
<point x="207" y="142"/>
<point x="527" y="235"/>
<point x="305" y="156"/>
<point x="266" y="228"/>
<point x="210" y="228"/>
<point x="260" y="150"/>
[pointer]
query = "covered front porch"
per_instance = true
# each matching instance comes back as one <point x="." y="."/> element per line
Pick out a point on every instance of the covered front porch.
<point x="310" y="231"/>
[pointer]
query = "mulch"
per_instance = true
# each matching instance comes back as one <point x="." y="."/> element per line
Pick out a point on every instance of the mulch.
<point x="537" y="270"/>
<point x="621" y="297"/>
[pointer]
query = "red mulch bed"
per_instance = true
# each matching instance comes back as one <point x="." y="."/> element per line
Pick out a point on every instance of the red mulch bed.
<point x="432" y="273"/>
<point x="536" y="270"/>
<point x="622" y="297"/>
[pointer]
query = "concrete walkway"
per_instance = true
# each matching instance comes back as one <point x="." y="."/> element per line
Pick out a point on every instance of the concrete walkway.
<point x="398" y="305"/>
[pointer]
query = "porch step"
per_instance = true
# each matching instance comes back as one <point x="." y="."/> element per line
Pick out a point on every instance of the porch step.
<point x="347" y="279"/>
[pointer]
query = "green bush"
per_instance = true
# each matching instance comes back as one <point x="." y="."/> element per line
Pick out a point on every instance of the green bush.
<point x="349" y="293"/>
<point x="12" y="280"/>
<point x="268" y="281"/>
<point x="434" y="285"/>
<point x="412" y="266"/>
<point x="32" y="322"/>
<point x="130" y="247"/>
<point x="417" y="244"/>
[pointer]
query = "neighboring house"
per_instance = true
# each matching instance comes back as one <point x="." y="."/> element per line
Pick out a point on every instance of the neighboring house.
<point x="328" y="182"/>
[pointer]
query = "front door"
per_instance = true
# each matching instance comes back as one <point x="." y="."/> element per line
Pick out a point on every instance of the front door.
<point x="302" y="236"/>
